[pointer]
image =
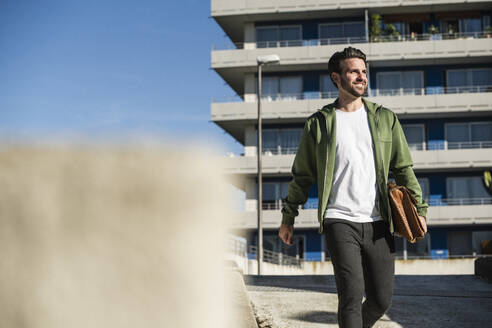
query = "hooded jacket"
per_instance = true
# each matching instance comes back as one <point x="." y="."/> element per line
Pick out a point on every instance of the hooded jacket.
<point x="315" y="161"/>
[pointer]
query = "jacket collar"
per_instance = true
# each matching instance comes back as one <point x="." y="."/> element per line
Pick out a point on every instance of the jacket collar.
<point x="370" y="106"/>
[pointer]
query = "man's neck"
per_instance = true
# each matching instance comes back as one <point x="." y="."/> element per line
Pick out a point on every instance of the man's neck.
<point x="347" y="103"/>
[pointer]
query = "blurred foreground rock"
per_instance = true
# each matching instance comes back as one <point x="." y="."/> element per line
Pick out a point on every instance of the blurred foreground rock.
<point x="106" y="237"/>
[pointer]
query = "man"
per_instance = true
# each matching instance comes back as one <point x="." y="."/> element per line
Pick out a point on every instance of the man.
<point x="348" y="148"/>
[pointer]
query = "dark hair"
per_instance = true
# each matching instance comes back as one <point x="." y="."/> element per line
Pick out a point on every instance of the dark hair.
<point x="337" y="57"/>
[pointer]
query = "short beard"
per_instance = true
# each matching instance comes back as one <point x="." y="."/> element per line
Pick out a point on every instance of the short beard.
<point x="347" y="87"/>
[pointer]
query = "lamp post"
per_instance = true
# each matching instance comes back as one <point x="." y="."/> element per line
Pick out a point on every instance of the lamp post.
<point x="261" y="60"/>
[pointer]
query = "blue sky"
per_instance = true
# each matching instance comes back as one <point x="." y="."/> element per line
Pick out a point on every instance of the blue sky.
<point x="109" y="69"/>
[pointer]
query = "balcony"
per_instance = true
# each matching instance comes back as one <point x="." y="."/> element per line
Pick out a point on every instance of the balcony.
<point x="310" y="52"/>
<point x="423" y="102"/>
<point x="423" y="160"/>
<point x="354" y="40"/>
<point x="436" y="216"/>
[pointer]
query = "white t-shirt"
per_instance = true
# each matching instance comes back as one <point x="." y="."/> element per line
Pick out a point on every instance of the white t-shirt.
<point x="354" y="192"/>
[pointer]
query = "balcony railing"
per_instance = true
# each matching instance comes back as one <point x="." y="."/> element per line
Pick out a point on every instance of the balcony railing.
<point x="373" y="92"/>
<point x="443" y="145"/>
<point x="269" y="151"/>
<point x="459" y="201"/>
<point x="358" y="39"/>
<point x="313" y="203"/>
<point x="273" y="257"/>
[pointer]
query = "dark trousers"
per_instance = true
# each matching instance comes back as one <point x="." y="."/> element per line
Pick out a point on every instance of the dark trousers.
<point x="363" y="257"/>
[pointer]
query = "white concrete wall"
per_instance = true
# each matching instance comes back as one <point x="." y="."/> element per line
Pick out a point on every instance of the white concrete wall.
<point x="301" y="109"/>
<point x="375" y="52"/>
<point x="402" y="267"/>
<point x="444" y="159"/>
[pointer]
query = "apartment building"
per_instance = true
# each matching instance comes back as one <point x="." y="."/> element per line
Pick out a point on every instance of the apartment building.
<point x="428" y="61"/>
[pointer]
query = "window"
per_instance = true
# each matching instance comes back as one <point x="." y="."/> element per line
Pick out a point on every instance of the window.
<point x="288" y="87"/>
<point x="424" y="186"/>
<point x="469" y="135"/>
<point x="291" y="87"/>
<point x="469" y="80"/>
<point x="347" y="32"/>
<point x="466" y="191"/>
<point x="470" y="25"/>
<point x="400" y="83"/>
<point x="278" y="36"/>
<point x="280" y="141"/>
<point x="328" y="89"/>
<point x="273" y="194"/>
<point x="414" y="133"/>
<point x="269" y="88"/>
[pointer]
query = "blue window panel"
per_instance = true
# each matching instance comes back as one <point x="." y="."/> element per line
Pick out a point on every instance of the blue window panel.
<point x="437" y="185"/>
<point x="251" y="256"/>
<point x="434" y="90"/>
<point x="439" y="239"/>
<point x="310" y="30"/>
<point x="313" y="256"/>
<point x="313" y="191"/>
<point x="435" y="131"/>
<point x="310" y="42"/>
<point x="312" y="203"/>
<point x="435" y="144"/>
<point x="436" y="200"/>
<point x="310" y="82"/>
<point x="439" y="254"/>
<point x="311" y="95"/>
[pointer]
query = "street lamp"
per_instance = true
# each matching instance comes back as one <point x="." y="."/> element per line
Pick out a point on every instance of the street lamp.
<point x="261" y="60"/>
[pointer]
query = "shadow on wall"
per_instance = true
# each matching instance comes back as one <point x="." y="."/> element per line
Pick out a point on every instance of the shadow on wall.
<point x="107" y="237"/>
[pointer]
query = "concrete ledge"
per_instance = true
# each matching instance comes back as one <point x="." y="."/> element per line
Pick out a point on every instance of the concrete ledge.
<point x="241" y="313"/>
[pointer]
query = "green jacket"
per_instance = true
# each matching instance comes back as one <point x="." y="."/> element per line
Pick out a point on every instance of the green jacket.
<point x="315" y="161"/>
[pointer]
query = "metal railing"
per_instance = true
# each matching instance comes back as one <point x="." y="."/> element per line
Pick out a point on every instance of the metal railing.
<point x="469" y="144"/>
<point x="236" y="245"/>
<point x="445" y="145"/>
<point x="279" y="204"/>
<point x="274" y="257"/>
<point x="373" y="92"/>
<point x="428" y="257"/>
<point x="269" y="151"/>
<point x="358" y="39"/>
<point x="459" y="201"/>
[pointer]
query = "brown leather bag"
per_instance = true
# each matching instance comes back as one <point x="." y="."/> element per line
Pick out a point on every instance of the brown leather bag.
<point x="406" y="220"/>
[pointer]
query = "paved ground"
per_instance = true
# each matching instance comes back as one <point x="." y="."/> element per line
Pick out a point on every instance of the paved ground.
<point x="311" y="301"/>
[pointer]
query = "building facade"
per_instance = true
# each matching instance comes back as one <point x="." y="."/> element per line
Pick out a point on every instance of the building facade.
<point x="430" y="62"/>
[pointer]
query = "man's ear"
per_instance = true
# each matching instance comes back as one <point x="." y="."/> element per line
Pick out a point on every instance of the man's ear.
<point x="335" y="77"/>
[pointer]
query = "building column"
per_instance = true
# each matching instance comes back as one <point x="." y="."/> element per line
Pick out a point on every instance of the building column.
<point x="249" y="35"/>
<point x="249" y="87"/>
<point x="250" y="189"/>
<point x="250" y="140"/>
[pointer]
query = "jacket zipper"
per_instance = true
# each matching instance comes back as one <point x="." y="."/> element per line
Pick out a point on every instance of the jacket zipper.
<point x="326" y="170"/>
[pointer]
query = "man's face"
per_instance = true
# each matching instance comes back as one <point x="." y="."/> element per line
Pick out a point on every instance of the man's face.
<point x="353" y="77"/>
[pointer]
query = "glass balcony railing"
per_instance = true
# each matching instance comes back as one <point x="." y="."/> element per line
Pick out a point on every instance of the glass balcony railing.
<point x="313" y="203"/>
<point x="373" y="92"/>
<point x="357" y="39"/>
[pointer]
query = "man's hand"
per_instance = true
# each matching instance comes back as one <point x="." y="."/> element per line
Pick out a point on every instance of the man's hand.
<point x="286" y="232"/>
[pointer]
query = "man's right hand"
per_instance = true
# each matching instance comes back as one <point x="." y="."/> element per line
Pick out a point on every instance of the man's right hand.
<point x="286" y="232"/>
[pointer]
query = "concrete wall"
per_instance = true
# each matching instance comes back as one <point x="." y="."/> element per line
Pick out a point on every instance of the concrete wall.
<point x="408" y="267"/>
<point x="105" y="237"/>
